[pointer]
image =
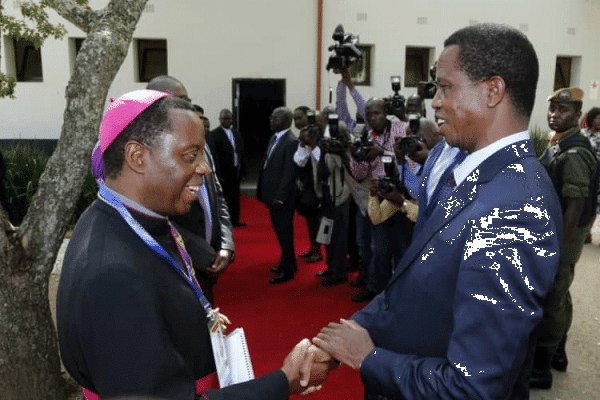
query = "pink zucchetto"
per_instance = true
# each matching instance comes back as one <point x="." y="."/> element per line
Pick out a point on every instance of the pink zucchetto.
<point x="122" y="111"/>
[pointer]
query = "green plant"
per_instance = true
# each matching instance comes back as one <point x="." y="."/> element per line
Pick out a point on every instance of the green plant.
<point x="25" y="163"/>
<point x="540" y="139"/>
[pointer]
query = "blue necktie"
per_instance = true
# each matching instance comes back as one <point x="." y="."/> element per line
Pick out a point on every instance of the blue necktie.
<point x="447" y="184"/>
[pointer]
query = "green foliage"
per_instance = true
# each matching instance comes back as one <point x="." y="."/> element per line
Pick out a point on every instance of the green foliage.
<point x="25" y="163"/>
<point x="7" y="86"/>
<point x="35" y="27"/>
<point x="540" y="139"/>
<point x="38" y="17"/>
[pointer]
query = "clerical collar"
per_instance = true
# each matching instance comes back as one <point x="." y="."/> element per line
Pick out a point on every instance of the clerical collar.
<point x="127" y="202"/>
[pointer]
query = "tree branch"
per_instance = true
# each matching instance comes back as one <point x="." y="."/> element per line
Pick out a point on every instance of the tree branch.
<point x="79" y="15"/>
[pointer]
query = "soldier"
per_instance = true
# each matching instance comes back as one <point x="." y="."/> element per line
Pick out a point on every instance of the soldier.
<point x="573" y="167"/>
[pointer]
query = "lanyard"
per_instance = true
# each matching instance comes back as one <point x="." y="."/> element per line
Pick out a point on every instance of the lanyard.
<point x="105" y="194"/>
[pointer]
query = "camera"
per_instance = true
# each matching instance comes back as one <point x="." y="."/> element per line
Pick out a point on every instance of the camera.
<point x="313" y="129"/>
<point x="333" y="142"/>
<point x="414" y="123"/>
<point x="427" y="89"/>
<point x="362" y="146"/>
<point x="390" y="178"/>
<point x="411" y="144"/>
<point x="397" y="99"/>
<point x="345" y="51"/>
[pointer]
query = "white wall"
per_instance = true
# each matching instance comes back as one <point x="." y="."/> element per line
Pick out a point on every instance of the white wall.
<point x="211" y="42"/>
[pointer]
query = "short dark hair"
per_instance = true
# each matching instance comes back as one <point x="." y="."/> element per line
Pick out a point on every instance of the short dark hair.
<point x="591" y="116"/>
<point x="224" y="111"/>
<point x="198" y="108"/>
<point x="304" y="109"/>
<point x="145" y="129"/>
<point x="488" y="50"/>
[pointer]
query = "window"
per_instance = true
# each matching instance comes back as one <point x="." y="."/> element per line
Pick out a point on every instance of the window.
<point x="562" y="73"/>
<point x="360" y="71"/>
<point x="28" y="61"/>
<point x="151" y="59"/>
<point x="74" y="47"/>
<point x="567" y="72"/>
<point x="417" y="65"/>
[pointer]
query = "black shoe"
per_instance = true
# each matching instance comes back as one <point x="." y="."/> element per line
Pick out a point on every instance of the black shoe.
<point x="323" y="274"/>
<point x="314" y="258"/>
<point x="275" y="270"/>
<point x="541" y="374"/>
<point x="304" y="255"/>
<point x="559" y="360"/>
<point x="334" y="281"/>
<point x="281" y="277"/>
<point x="364" y="296"/>
<point x="239" y="224"/>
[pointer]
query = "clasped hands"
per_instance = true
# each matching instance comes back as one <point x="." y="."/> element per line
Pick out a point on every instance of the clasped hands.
<point x="308" y="364"/>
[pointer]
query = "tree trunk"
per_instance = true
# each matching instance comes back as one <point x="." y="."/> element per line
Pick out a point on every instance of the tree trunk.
<point x="29" y="361"/>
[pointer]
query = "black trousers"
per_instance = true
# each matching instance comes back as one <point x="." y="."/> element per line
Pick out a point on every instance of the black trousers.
<point x="283" y="224"/>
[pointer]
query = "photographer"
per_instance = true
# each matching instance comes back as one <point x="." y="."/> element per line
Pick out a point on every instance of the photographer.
<point x="359" y="231"/>
<point x="422" y="135"/>
<point x="384" y="203"/>
<point x="336" y="198"/>
<point x="306" y="158"/>
<point x="383" y="133"/>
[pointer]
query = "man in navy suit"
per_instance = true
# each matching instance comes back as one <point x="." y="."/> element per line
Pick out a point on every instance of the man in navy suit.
<point x="457" y="318"/>
<point x="276" y="189"/>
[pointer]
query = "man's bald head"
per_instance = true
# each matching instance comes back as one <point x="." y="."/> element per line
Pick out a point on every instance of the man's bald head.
<point x="168" y="84"/>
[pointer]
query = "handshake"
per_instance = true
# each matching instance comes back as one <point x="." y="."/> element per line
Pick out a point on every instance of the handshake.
<point x="308" y="364"/>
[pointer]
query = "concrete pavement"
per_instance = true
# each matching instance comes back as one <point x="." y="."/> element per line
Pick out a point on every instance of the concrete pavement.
<point x="582" y="379"/>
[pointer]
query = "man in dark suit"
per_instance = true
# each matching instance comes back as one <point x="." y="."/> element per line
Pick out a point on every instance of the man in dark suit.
<point x="457" y="318"/>
<point x="276" y="189"/>
<point x="207" y="221"/>
<point x="227" y="148"/>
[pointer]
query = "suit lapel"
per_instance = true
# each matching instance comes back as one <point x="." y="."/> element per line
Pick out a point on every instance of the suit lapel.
<point x="463" y="195"/>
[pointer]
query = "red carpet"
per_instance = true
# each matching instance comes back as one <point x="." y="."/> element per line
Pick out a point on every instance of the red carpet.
<point x="276" y="317"/>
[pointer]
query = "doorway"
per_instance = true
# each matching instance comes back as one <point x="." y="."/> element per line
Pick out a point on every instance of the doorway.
<point x="253" y="102"/>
